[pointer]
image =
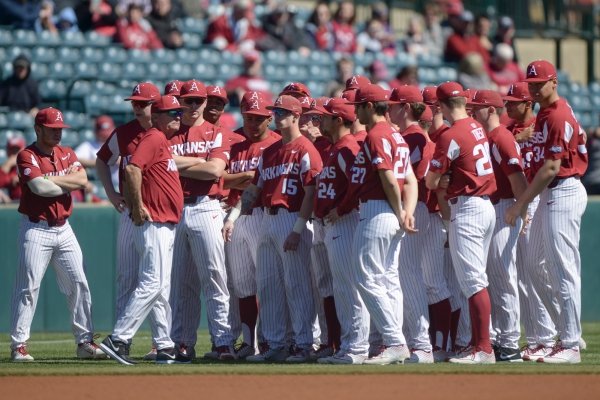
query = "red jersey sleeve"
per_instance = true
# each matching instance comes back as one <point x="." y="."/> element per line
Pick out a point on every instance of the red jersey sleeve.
<point x="28" y="166"/>
<point x="379" y="152"/>
<point x="560" y="132"/>
<point x="507" y="154"/>
<point x="440" y="163"/>
<point x="147" y="151"/>
<point x="310" y="166"/>
<point x="420" y="164"/>
<point x="221" y="148"/>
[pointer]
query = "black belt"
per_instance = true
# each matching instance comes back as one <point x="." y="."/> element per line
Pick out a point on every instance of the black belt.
<point x="556" y="181"/>
<point x="194" y="199"/>
<point x="51" y="222"/>
<point x="454" y="200"/>
<point x="273" y="210"/>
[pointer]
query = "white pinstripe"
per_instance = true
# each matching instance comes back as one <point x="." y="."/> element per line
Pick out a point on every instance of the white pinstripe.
<point x="283" y="283"/>
<point x="457" y="301"/>
<point x="321" y="279"/>
<point x="416" y="316"/>
<point x="502" y="274"/>
<point x="432" y="264"/>
<point x="199" y="238"/>
<point x="350" y="309"/>
<point x="375" y="252"/>
<point x="41" y="245"/>
<point x="153" y="242"/>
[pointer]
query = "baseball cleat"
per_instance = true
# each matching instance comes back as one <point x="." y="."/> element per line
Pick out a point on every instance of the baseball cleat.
<point x="561" y="355"/>
<point x="187" y="351"/>
<point x="244" y="350"/>
<point x="90" y="350"/>
<point x="506" y="354"/>
<point x="299" y="355"/>
<point x="322" y="352"/>
<point x="418" y="356"/>
<point x="118" y="351"/>
<point x="151" y="355"/>
<point x="534" y="353"/>
<point x="390" y="355"/>
<point x="272" y="355"/>
<point x="226" y="353"/>
<point x="440" y="355"/>
<point x="342" y="357"/>
<point x="582" y="344"/>
<point x="474" y="357"/>
<point x="171" y="356"/>
<point x="20" y="354"/>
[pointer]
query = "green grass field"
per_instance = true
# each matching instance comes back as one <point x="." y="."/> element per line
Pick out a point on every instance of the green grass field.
<point x="55" y="355"/>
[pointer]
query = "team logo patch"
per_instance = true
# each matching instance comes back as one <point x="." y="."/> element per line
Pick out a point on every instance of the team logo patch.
<point x="436" y="163"/>
<point x="377" y="160"/>
<point x="556" y="149"/>
<point x="27" y="171"/>
<point x="513" y="161"/>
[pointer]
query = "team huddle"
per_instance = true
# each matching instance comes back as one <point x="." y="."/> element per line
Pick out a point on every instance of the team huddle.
<point x="375" y="228"/>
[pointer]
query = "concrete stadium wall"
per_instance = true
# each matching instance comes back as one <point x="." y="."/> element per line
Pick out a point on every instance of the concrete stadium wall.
<point x="96" y="229"/>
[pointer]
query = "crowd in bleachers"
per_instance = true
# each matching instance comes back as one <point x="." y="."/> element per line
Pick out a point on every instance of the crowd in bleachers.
<point x="84" y="56"/>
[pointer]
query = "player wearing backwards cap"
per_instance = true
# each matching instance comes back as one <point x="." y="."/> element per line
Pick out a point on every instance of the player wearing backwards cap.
<point x="378" y="178"/>
<point x="501" y="263"/>
<point x="531" y="271"/>
<point x="201" y="151"/>
<point x="464" y="149"/>
<point x="338" y="209"/>
<point x="155" y="201"/>
<point x="406" y="107"/>
<point x="559" y="160"/>
<point x="47" y="174"/>
<point x="119" y="147"/>
<point x="285" y="183"/>
<point x="242" y="241"/>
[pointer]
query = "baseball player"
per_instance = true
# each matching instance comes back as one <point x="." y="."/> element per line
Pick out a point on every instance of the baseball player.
<point x="540" y="330"/>
<point x="155" y="200"/>
<point x="378" y="177"/>
<point x="285" y="183"/>
<point x="118" y="148"/>
<point x="464" y="150"/>
<point x="242" y="241"/>
<point x="358" y="130"/>
<point x="405" y="110"/>
<point x="201" y="151"/>
<point x="47" y="174"/>
<point x="488" y="106"/>
<point x="173" y="88"/>
<point x="336" y="210"/>
<point x="559" y="160"/>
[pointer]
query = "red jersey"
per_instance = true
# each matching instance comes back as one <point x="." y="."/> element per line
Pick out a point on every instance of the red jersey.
<point x="384" y="149"/>
<point x="284" y="170"/>
<point x="360" y="137"/>
<point x="234" y="137"/>
<point x="245" y="156"/>
<point x="421" y="153"/>
<point x="121" y="143"/>
<point x="435" y="135"/>
<point x="205" y="141"/>
<point x="344" y="38"/>
<point x="333" y="181"/>
<point x="557" y="137"/>
<point x="323" y="146"/>
<point x="465" y="151"/>
<point x="506" y="160"/>
<point x="526" y="147"/>
<point x="31" y="164"/>
<point x="161" y="192"/>
<point x="6" y="182"/>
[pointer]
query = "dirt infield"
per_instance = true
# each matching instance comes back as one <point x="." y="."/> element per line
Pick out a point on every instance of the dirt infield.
<point x="311" y="387"/>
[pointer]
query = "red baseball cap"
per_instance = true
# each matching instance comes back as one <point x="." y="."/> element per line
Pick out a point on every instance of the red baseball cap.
<point x="371" y="93"/>
<point x="448" y="90"/>
<point x="540" y="71"/>
<point x="406" y="94"/>
<point x="15" y="142"/>
<point x="487" y="98"/>
<point x="356" y="82"/>
<point x="166" y="103"/>
<point x="427" y="115"/>
<point x="217" y="91"/>
<point x="173" y="88"/>
<point x="349" y="94"/>
<point x="193" y="88"/>
<point x="305" y="102"/>
<point x="144" y="91"/>
<point x="429" y="95"/>
<point x="339" y="107"/>
<point x="296" y="88"/>
<point x="518" y="92"/>
<point x="316" y="105"/>
<point x="251" y="56"/>
<point x="105" y="125"/>
<point x="287" y="102"/>
<point x="51" y="118"/>
<point x="254" y="103"/>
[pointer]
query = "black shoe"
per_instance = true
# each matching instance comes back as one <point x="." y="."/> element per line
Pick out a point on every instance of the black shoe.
<point x="505" y="354"/>
<point x="171" y="356"/>
<point x="117" y="350"/>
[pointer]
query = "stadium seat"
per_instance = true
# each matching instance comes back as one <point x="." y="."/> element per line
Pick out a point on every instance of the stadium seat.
<point x="86" y="70"/>
<point x="181" y="71"/>
<point x="52" y="89"/>
<point x="75" y="120"/>
<point x="73" y="39"/>
<point x="86" y="134"/>
<point x="594" y="87"/>
<point x="49" y="39"/>
<point x="110" y="71"/>
<point x="70" y="137"/>
<point x="204" y="72"/>
<point x="14" y="51"/>
<point x="19" y="120"/>
<point x="446" y="74"/>
<point x="95" y="104"/>
<point x="68" y="54"/>
<point x="134" y="71"/>
<point x="155" y="71"/>
<point x="94" y="39"/>
<point x="137" y="56"/>
<point x="3" y="125"/>
<point x="91" y="54"/>
<point x="39" y="70"/>
<point x="60" y="70"/>
<point x="43" y="54"/>
<point x="274" y="58"/>
<point x="191" y="40"/>
<point x="192" y="25"/>
<point x="163" y="56"/>
<point x="6" y="38"/>
<point x="429" y="60"/>
<point x="115" y="54"/>
<point x="25" y="38"/>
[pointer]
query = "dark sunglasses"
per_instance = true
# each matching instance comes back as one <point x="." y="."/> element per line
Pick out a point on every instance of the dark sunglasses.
<point x="280" y="113"/>
<point x="193" y="100"/>
<point x="316" y="118"/>
<point x="140" y="104"/>
<point x="172" y="113"/>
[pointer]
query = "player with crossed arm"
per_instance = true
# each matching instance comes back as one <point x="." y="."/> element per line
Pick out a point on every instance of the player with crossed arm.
<point x="464" y="150"/>
<point x="201" y="152"/>
<point x="559" y="160"/>
<point x="501" y="264"/>
<point x="243" y="240"/>
<point x="378" y="177"/>
<point x="285" y="183"/>
<point x="155" y="200"/>
<point x="47" y="174"/>
<point x="404" y="112"/>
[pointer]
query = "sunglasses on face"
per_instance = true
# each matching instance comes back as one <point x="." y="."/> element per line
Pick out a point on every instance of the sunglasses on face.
<point x="172" y="113"/>
<point x="193" y="100"/>
<point x="316" y="118"/>
<point x="140" y="104"/>
<point x="280" y="113"/>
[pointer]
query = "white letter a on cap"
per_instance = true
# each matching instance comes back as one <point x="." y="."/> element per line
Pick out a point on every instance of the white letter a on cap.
<point x="532" y="70"/>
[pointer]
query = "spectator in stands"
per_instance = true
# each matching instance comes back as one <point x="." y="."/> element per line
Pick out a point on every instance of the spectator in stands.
<point x="122" y="6"/>
<point x="45" y="21"/>
<point x="97" y="15"/>
<point x="163" y="20"/>
<point x="236" y="30"/>
<point x="135" y="32"/>
<point x="502" y="69"/>
<point x="344" y="34"/>
<point x="249" y="80"/>
<point x="433" y="33"/>
<point x="482" y="31"/>
<point x="472" y="73"/>
<point x="505" y="34"/>
<point x="20" y="91"/>
<point x="416" y="41"/>
<point x="374" y="39"/>
<point x="320" y="27"/>
<point x="19" y="14"/>
<point x="282" y="34"/>
<point x="10" y="190"/>
<point x="591" y="179"/>
<point x="386" y="36"/>
<point x="345" y="70"/>
<point x="379" y="74"/>
<point x="408" y="75"/>
<point x="67" y="20"/>
<point x="462" y="41"/>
